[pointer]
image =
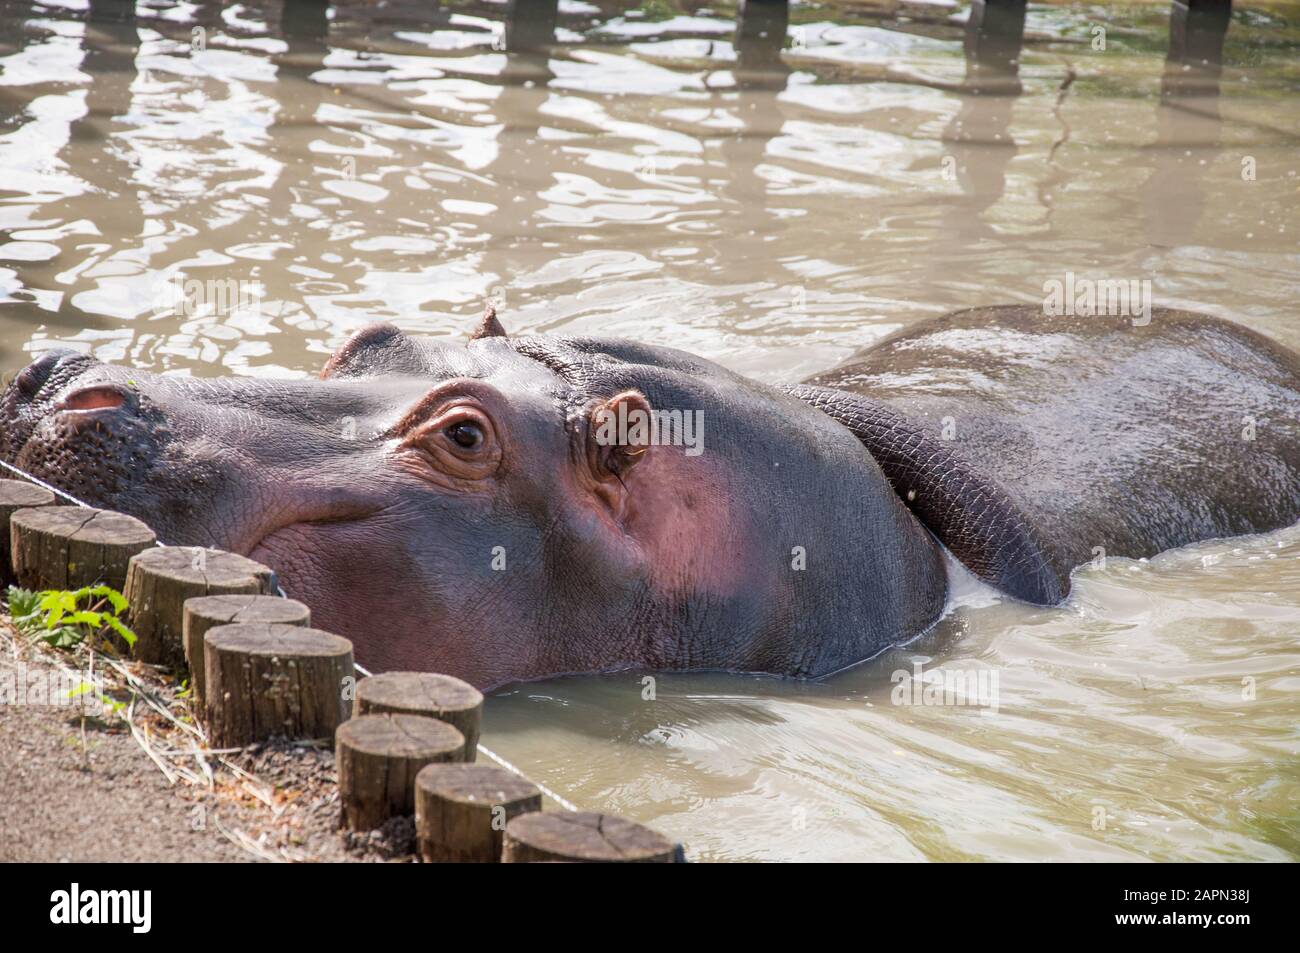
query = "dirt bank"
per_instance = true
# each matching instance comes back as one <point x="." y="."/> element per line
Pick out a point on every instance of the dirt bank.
<point x="124" y="774"/>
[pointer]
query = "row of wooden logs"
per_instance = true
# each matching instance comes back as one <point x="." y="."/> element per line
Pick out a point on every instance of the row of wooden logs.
<point x="405" y="742"/>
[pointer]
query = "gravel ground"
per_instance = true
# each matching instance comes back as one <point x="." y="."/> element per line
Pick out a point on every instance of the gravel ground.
<point x="97" y="797"/>
<point x="76" y="788"/>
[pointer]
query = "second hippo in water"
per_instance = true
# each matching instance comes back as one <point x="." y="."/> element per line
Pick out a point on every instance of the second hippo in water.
<point x="453" y="508"/>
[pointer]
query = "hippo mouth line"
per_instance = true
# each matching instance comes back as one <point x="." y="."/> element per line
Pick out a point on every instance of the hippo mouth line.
<point x="267" y="540"/>
<point x="285" y="541"/>
<point x="278" y="548"/>
<point x="265" y="545"/>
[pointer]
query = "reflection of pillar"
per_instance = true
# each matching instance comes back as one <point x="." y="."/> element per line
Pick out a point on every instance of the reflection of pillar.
<point x="111" y="42"/>
<point x="530" y="23"/>
<point x="761" y="76"/>
<point x="744" y="151"/>
<point x="1196" y="32"/>
<point x="1187" y="139"/>
<point x="761" y="26"/>
<point x="978" y="137"/>
<point x="520" y="176"/>
<point x="15" y="100"/>
<point x="305" y="26"/>
<point x="994" y="34"/>
<point x="1173" y="196"/>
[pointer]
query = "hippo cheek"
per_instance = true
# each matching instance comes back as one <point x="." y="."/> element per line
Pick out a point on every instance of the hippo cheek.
<point x="685" y="514"/>
<point x="361" y="582"/>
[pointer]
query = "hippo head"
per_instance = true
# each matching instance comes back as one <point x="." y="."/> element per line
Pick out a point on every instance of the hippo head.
<point x="510" y="508"/>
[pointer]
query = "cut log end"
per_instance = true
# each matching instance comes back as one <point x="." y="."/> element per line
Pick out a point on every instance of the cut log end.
<point x="67" y="547"/>
<point x="162" y="579"/>
<point x="378" y="758"/>
<point x="263" y="681"/>
<point x="461" y="810"/>
<point x="16" y="495"/>
<point x="443" y="697"/>
<point x="583" y="837"/>
<point x="203" y="613"/>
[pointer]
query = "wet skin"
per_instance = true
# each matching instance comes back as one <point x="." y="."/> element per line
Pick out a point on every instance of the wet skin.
<point x="449" y="507"/>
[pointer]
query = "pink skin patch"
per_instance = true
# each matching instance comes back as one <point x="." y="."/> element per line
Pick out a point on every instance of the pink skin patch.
<point x="680" y="510"/>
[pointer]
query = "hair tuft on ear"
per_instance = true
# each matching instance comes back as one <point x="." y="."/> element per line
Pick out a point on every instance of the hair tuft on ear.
<point x="620" y="432"/>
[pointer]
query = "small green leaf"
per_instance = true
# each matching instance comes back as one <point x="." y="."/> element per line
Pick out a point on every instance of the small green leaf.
<point x="22" y="602"/>
<point x="115" y="598"/>
<point x="64" y="638"/>
<point x="112" y="622"/>
<point x="23" y="608"/>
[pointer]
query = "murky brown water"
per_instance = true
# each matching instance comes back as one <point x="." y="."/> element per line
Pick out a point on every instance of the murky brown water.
<point x="396" y="165"/>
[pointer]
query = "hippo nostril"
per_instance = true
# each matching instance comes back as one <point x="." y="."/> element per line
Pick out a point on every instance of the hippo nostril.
<point x="95" y="397"/>
<point x="34" y="376"/>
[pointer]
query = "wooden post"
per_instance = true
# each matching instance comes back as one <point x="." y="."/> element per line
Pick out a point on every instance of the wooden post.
<point x="1196" y="33"/>
<point x="448" y="699"/>
<point x="207" y="612"/>
<point x="461" y="810"/>
<point x="67" y="547"/>
<point x="16" y="495"/>
<point x="994" y="36"/>
<point x="583" y="837"/>
<point x="530" y="23"/>
<point x="265" y="681"/>
<point x="161" y="579"/>
<point x="378" y="758"/>
<point x="761" y="27"/>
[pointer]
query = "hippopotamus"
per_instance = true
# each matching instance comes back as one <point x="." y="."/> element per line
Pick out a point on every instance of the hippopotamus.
<point x="499" y="509"/>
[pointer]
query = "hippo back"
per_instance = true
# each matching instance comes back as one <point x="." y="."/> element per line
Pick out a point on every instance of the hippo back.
<point x="1030" y="444"/>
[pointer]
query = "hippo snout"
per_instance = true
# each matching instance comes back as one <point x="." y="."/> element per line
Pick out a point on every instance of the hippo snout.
<point x="58" y="384"/>
<point x="223" y="462"/>
<point x="75" y="422"/>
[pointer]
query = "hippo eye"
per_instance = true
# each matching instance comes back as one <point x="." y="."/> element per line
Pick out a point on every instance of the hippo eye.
<point x="466" y="434"/>
<point x="449" y="437"/>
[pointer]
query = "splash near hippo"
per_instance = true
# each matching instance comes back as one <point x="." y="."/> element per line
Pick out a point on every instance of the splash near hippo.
<point x="469" y="508"/>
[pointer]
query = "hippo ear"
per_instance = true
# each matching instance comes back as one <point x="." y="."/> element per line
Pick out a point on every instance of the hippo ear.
<point x="372" y="350"/>
<point x="489" y="326"/>
<point x="621" y="430"/>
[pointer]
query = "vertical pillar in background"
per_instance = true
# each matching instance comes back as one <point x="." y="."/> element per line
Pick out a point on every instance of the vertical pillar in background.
<point x="531" y="23"/>
<point x="305" y="20"/>
<point x="994" y="35"/>
<point x="761" y="26"/>
<point x="1196" y="32"/>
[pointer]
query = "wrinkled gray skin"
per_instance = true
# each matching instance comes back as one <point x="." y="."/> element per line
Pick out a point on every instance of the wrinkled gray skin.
<point x="387" y="494"/>
<point x="1030" y="444"/>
